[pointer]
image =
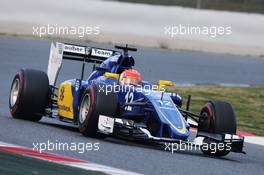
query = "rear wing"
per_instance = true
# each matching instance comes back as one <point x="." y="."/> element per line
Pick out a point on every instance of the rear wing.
<point x="61" y="51"/>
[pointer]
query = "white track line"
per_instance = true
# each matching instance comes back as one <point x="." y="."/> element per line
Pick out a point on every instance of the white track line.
<point x="83" y="165"/>
<point x="255" y="140"/>
<point x="101" y="168"/>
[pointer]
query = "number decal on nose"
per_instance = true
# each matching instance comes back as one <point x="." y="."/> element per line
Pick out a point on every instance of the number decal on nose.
<point x="129" y="99"/>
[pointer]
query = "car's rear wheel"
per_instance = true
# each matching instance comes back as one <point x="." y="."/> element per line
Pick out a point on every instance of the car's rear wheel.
<point x="217" y="117"/>
<point x="29" y="94"/>
<point x="95" y="102"/>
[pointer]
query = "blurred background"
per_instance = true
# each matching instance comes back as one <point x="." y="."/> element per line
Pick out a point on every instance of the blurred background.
<point x="226" y="67"/>
<point x="144" y="23"/>
<point x="252" y="6"/>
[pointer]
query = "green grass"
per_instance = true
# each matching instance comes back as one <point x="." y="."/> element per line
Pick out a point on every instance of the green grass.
<point x="248" y="103"/>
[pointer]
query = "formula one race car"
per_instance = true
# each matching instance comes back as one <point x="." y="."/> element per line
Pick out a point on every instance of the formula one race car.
<point x="115" y="101"/>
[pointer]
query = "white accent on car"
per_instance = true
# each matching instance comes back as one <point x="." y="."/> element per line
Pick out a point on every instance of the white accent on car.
<point x="146" y="132"/>
<point x="106" y="124"/>
<point x="229" y="136"/>
<point x="129" y="99"/>
<point x="192" y="122"/>
<point x="198" y="141"/>
<point x="55" y="62"/>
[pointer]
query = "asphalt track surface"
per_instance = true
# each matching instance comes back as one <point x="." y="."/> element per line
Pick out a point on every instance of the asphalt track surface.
<point x="16" y="53"/>
<point x="28" y="166"/>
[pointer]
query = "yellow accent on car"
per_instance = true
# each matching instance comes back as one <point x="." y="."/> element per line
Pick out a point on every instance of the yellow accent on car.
<point x="164" y="83"/>
<point x="65" y="100"/>
<point x="111" y="75"/>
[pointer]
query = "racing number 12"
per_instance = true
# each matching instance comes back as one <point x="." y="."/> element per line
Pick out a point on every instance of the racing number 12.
<point x="129" y="99"/>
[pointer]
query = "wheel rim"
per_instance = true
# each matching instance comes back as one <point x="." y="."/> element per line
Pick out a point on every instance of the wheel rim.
<point x="84" y="109"/>
<point x="207" y="114"/>
<point x="14" y="92"/>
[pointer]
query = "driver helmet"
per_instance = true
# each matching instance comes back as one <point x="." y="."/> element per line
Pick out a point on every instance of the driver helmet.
<point x="130" y="77"/>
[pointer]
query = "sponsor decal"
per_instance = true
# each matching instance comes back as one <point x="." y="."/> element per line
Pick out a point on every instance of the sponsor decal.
<point x="74" y="49"/>
<point x="101" y="53"/>
<point x="62" y="90"/>
<point x="64" y="108"/>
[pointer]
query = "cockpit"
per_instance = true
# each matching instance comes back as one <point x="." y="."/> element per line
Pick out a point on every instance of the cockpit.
<point x="117" y="64"/>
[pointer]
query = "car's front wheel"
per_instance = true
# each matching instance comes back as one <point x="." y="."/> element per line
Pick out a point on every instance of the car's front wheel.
<point x="217" y="117"/>
<point x="95" y="102"/>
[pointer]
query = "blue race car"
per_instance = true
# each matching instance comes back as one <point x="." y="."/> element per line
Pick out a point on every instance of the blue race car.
<point x="115" y="101"/>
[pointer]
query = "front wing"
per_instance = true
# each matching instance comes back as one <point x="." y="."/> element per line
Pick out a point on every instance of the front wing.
<point x="127" y="129"/>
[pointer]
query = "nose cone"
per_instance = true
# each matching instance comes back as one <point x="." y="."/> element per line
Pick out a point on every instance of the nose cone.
<point x="176" y="125"/>
<point x="179" y="133"/>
